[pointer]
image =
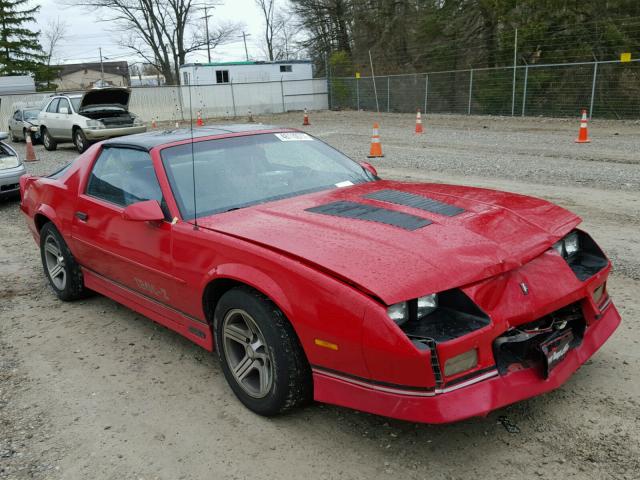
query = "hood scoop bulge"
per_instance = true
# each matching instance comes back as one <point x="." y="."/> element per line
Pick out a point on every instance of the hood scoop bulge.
<point x="360" y="211"/>
<point x="412" y="200"/>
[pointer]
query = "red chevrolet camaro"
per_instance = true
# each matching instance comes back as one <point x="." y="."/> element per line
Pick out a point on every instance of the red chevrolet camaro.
<point x="315" y="279"/>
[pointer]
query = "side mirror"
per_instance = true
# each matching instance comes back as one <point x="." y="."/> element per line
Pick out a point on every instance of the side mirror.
<point x="370" y="168"/>
<point x="64" y="110"/>
<point x="147" y="211"/>
<point x="4" y="135"/>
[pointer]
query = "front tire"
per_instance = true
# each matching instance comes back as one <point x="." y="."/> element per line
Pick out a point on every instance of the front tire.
<point x="80" y="140"/>
<point x="61" y="269"/>
<point x="47" y="140"/>
<point x="261" y="356"/>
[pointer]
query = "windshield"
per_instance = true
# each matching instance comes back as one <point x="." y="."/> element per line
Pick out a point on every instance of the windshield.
<point x="31" y="114"/>
<point x="237" y="172"/>
<point x="75" y="101"/>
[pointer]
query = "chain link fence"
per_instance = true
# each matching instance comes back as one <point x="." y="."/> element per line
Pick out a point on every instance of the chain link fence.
<point x="608" y="89"/>
<point x="179" y="103"/>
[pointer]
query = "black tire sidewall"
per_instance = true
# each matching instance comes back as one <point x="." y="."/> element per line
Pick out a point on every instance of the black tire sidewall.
<point x="74" y="287"/>
<point x="265" y="314"/>
<point x="51" y="144"/>
<point x="83" y="138"/>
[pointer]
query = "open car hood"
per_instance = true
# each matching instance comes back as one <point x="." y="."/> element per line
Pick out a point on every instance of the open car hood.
<point x="105" y="96"/>
<point x="480" y="234"/>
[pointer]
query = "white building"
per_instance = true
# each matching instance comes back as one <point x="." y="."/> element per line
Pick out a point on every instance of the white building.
<point x="245" y="72"/>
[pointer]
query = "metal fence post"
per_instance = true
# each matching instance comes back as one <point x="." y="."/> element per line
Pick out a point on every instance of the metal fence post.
<point x="593" y="89"/>
<point x="426" y="91"/>
<point x="513" y="84"/>
<point x="388" y="94"/>
<point x="233" y="100"/>
<point x="524" y="93"/>
<point x="282" y="94"/>
<point x="470" y="91"/>
<point x="357" y="94"/>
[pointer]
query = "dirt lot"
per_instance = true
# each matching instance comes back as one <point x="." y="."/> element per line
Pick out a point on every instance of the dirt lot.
<point x="92" y="390"/>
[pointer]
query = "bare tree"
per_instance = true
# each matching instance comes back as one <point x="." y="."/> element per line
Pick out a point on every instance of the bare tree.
<point x="54" y="32"/>
<point x="161" y="31"/>
<point x="272" y="25"/>
<point x="286" y="42"/>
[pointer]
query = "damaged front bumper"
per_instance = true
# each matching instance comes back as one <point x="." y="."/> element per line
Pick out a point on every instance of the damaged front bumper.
<point x="476" y="396"/>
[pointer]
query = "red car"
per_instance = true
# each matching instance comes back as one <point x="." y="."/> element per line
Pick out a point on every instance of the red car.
<point x="315" y="279"/>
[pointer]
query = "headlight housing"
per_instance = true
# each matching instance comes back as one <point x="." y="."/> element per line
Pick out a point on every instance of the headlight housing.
<point x="136" y="121"/>
<point x="582" y="254"/>
<point x="568" y="246"/>
<point x="401" y="312"/>
<point x="95" y="125"/>
<point x="9" y="161"/>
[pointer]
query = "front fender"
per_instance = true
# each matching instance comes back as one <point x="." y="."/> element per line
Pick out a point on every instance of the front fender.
<point x="253" y="277"/>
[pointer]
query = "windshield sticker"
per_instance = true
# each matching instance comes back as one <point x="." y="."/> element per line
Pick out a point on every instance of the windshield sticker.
<point x="293" y="137"/>
<point x="346" y="183"/>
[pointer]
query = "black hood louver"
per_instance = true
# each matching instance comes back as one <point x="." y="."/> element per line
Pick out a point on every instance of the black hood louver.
<point x="360" y="211"/>
<point x="420" y="202"/>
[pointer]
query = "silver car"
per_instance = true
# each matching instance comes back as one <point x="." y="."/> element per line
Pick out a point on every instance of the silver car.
<point x="11" y="169"/>
<point x="83" y="119"/>
<point x="23" y="122"/>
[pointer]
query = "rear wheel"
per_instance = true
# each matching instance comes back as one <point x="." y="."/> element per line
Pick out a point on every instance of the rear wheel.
<point x="48" y="141"/>
<point x="62" y="271"/>
<point x="261" y="356"/>
<point x="80" y="140"/>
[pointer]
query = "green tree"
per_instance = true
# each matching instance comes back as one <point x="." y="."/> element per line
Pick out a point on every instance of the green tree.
<point x="20" y="51"/>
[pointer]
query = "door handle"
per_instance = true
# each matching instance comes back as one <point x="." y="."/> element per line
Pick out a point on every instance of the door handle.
<point x="82" y="216"/>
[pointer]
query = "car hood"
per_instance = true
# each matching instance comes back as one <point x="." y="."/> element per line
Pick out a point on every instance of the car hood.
<point x="492" y="232"/>
<point x="105" y="97"/>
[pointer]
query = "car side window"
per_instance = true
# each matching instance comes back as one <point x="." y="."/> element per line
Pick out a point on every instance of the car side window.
<point x="17" y="116"/>
<point x="53" y="106"/>
<point x="124" y="176"/>
<point x="64" y="103"/>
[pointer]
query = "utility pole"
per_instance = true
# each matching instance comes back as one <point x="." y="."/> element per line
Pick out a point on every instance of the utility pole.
<point x="101" y="68"/>
<point x="206" y="26"/>
<point x="246" y="52"/>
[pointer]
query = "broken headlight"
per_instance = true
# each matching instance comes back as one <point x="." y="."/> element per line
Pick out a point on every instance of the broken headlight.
<point x="401" y="312"/>
<point x="568" y="246"/>
<point x="582" y="254"/>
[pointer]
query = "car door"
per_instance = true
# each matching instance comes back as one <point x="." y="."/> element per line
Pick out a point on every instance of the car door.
<point x="63" y="120"/>
<point x="15" y="123"/>
<point x="49" y="116"/>
<point x="132" y="254"/>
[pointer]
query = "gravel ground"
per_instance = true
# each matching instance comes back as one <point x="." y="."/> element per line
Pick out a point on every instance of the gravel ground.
<point x="92" y="390"/>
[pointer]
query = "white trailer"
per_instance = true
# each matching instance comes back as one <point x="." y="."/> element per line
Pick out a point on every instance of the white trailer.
<point x="245" y="72"/>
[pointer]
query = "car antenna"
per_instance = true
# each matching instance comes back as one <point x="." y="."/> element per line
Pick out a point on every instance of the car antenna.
<point x="193" y="162"/>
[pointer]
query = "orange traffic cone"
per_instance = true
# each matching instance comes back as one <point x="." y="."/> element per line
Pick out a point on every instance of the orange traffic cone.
<point x="154" y="124"/>
<point x="419" y="122"/>
<point x="583" y="134"/>
<point x="199" y="122"/>
<point x="31" y="154"/>
<point x="305" y="122"/>
<point x="376" y="146"/>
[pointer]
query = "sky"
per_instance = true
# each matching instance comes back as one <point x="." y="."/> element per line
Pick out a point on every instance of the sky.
<point x="86" y="33"/>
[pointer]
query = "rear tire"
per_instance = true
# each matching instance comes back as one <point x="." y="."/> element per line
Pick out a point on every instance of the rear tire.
<point x="80" y="140"/>
<point x="260" y="353"/>
<point x="61" y="269"/>
<point x="47" y="140"/>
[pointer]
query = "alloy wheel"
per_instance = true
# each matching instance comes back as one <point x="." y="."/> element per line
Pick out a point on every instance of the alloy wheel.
<point x="247" y="353"/>
<point x="55" y="262"/>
